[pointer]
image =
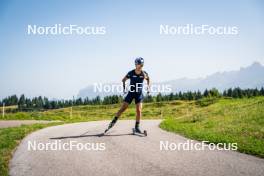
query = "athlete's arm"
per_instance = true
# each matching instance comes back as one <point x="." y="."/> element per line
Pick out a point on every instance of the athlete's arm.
<point x="124" y="83"/>
<point x="148" y="82"/>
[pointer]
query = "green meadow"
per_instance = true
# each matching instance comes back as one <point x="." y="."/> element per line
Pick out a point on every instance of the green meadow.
<point x="217" y="120"/>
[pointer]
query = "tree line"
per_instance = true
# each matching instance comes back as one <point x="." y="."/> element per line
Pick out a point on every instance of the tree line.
<point x="43" y="103"/>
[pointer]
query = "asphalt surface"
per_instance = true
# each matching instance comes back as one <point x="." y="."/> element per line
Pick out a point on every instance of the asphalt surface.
<point x="15" y="123"/>
<point x="124" y="154"/>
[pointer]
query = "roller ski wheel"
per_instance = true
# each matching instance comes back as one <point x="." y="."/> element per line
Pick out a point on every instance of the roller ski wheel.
<point x="134" y="131"/>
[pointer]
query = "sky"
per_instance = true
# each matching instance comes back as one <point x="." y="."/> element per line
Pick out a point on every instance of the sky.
<point x="58" y="66"/>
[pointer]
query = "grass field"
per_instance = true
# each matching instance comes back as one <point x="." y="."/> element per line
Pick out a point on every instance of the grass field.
<point x="7" y="108"/>
<point x="238" y="121"/>
<point x="88" y="113"/>
<point x="10" y="138"/>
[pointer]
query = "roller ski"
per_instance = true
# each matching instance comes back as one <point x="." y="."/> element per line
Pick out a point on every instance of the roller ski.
<point x="136" y="131"/>
<point x="112" y="123"/>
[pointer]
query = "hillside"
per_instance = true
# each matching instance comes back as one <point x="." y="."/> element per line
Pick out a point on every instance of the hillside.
<point x="246" y="77"/>
<point x="238" y="121"/>
<point x="214" y="120"/>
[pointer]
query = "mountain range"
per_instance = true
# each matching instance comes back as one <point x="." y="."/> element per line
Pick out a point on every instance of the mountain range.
<point x="246" y="77"/>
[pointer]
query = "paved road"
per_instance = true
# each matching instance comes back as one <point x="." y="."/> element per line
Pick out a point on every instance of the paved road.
<point x="125" y="154"/>
<point x="15" y="123"/>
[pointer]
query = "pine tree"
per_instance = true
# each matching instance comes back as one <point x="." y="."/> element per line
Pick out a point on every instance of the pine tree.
<point x="262" y="91"/>
<point x="198" y="95"/>
<point x="206" y="93"/>
<point x="22" y="102"/>
<point x="230" y="92"/>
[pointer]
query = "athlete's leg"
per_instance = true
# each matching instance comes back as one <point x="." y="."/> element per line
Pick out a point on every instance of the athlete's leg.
<point x="118" y="114"/>
<point x="138" y="101"/>
<point x="138" y="117"/>
<point x="138" y="110"/>
<point x="122" y="109"/>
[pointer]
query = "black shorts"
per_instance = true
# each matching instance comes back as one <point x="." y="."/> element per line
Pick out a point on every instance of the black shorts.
<point x="137" y="96"/>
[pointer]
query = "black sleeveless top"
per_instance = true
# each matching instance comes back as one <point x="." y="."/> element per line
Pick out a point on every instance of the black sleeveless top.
<point x="136" y="81"/>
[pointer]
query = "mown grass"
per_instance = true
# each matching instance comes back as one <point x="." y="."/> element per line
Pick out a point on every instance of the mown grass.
<point x="238" y="121"/>
<point x="94" y="112"/>
<point x="10" y="138"/>
<point x="217" y="120"/>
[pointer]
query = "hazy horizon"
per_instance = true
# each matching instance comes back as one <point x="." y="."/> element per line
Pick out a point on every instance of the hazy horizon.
<point x="186" y="78"/>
